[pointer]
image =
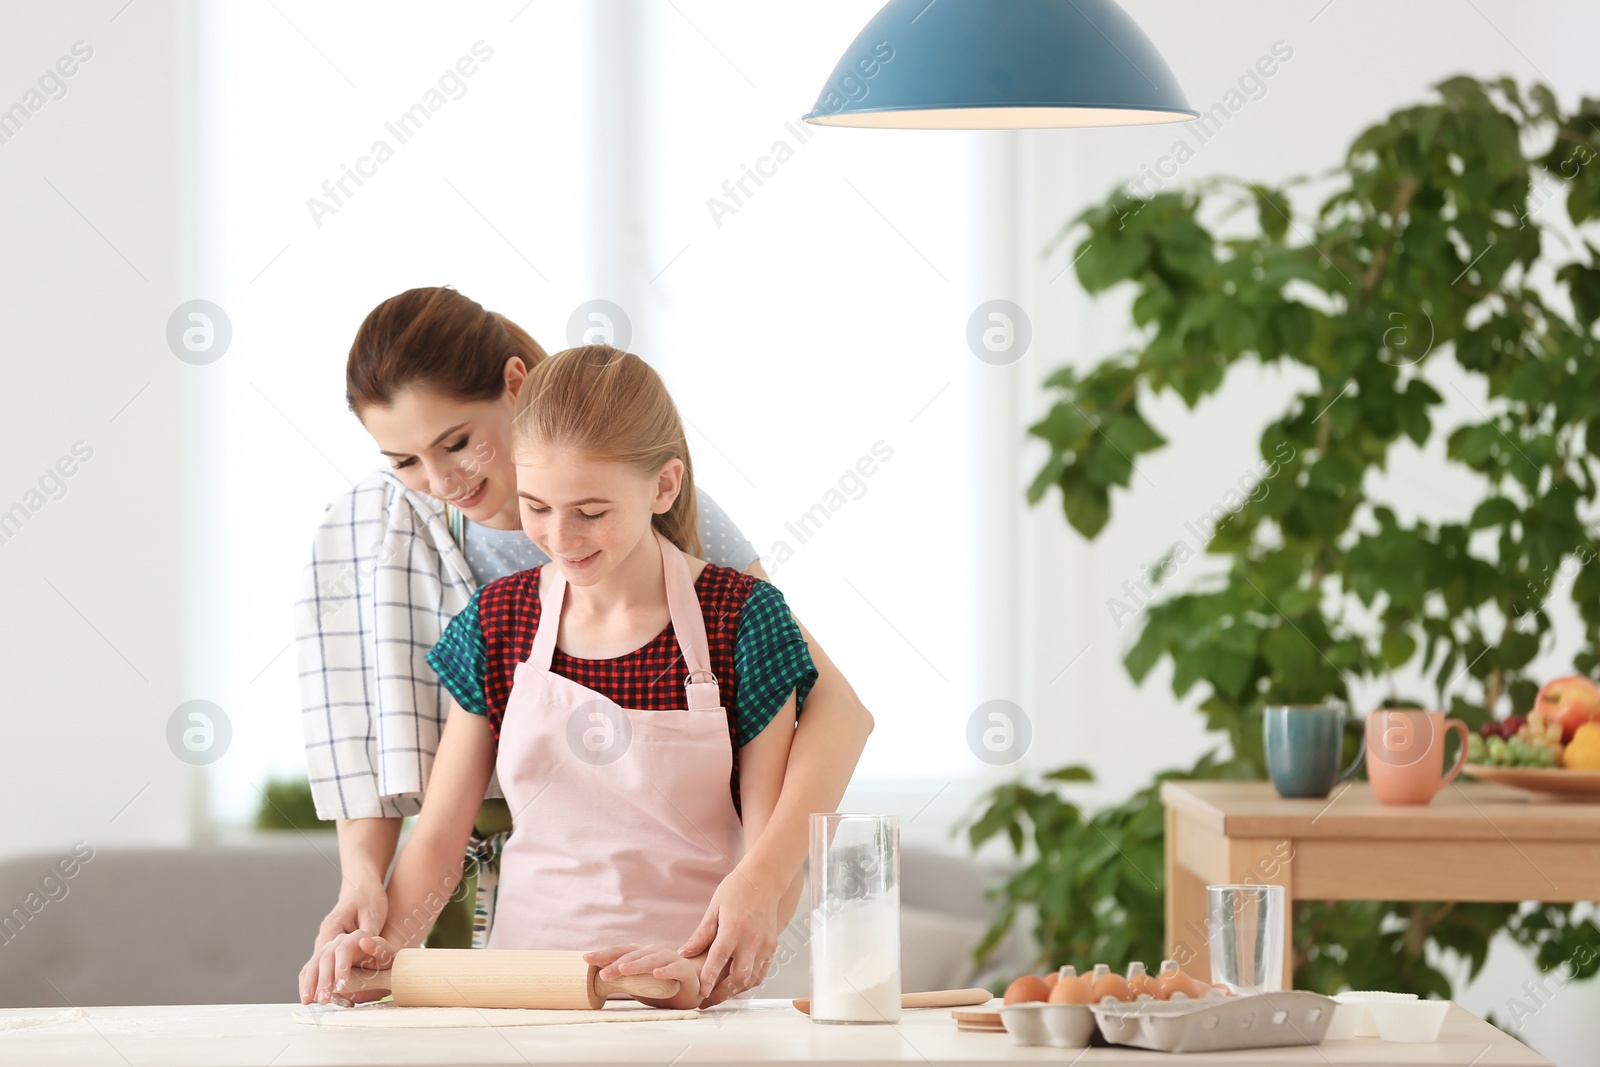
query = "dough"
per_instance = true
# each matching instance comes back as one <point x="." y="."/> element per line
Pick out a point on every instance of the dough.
<point x="29" y="1022"/>
<point x="389" y="1014"/>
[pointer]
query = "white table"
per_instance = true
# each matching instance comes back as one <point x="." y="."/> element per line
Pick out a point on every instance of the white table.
<point x="264" y="1035"/>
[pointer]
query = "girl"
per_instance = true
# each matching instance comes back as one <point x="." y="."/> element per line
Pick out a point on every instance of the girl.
<point x="435" y="378"/>
<point x="636" y="702"/>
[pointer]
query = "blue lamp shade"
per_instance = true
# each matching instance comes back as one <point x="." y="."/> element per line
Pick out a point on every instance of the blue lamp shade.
<point x="1000" y="64"/>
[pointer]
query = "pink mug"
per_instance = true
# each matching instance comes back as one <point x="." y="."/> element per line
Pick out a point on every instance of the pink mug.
<point x="1405" y="754"/>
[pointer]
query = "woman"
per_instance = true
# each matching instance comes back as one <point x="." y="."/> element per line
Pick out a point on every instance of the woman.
<point x="434" y="378"/>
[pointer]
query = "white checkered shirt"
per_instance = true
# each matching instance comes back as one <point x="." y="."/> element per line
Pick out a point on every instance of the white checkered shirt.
<point x="383" y="581"/>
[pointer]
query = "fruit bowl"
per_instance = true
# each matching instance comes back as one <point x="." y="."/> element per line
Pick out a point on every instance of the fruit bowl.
<point x="1566" y="784"/>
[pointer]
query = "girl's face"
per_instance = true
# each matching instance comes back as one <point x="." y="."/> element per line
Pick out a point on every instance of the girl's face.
<point x="455" y="450"/>
<point x="588" y="515"/>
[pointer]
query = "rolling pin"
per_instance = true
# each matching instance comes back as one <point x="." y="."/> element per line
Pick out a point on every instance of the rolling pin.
<point x="935" y="998"/>
<point x="502" y="978"/>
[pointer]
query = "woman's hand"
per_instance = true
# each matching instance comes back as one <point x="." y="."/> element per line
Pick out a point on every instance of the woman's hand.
<point x="363" y="905"/>
<point x="738" y="936"/>
<point x="658" y="961"/>
<point x="323" y="979"/>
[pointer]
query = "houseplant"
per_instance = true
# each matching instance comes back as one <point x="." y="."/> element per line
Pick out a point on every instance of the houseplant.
<point x="1437" y="245"/>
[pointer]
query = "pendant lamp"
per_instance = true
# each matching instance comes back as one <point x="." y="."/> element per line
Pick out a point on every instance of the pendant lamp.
<point x="1000" y="64"/>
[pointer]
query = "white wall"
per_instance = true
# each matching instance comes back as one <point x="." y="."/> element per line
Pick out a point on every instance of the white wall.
<point x="99" y="204"/>
<point x="1353" y="62"/>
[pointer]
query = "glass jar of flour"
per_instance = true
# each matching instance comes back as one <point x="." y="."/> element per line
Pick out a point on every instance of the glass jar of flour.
<point x="855" y="918"/>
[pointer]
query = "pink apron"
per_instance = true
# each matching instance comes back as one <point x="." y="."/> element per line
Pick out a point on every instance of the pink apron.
<point x="623" y="824"/>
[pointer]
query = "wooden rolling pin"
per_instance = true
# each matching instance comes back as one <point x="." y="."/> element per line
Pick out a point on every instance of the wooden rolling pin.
<point x="503" y="978"/>
<point x="935" y="998"/>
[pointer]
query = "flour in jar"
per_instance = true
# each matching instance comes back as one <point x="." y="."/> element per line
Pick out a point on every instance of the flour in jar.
<point x="855" y="962"/>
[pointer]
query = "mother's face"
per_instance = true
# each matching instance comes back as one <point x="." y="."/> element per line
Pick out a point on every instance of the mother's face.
<point x="455" y="450"/>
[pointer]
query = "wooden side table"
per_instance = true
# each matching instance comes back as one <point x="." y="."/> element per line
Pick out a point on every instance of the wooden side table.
<point x="1476" y="841"/>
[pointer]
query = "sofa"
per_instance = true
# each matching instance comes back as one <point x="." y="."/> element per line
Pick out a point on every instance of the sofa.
<point x="233" y="924"/>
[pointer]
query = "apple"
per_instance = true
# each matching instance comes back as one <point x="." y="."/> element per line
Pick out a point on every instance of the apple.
<point x="1571" y="701"/>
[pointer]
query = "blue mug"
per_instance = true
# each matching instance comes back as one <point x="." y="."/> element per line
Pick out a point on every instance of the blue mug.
<point x="1303" y="743"/>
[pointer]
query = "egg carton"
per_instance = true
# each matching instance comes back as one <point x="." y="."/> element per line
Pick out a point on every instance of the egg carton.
<point x="1217" y="1023"/>
<point x="1075" y="1025"/>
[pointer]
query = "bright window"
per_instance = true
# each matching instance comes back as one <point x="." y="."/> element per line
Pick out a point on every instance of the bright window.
<point x="804" y="290"/>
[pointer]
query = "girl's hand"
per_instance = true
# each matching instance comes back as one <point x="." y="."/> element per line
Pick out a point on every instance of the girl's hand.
<point x="323" y="978"/>
<point x="658" y="961"/>
<point x="738" y="937"/>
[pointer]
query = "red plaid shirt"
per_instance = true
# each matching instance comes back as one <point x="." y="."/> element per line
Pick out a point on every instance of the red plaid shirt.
<point x="651" y="678"/>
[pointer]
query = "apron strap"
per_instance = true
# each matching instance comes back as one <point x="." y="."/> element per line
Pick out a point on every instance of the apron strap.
<point x="688" y="624"/>
<point x="544" y="638"/>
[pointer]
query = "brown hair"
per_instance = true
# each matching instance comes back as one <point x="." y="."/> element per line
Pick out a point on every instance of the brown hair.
<point x="612" y="406"/>
<point x="438" y="339"/>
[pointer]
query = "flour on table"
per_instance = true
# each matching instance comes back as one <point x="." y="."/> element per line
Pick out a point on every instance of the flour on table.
<point x="389" y="1014"/>
<point x="33" y="1022"/>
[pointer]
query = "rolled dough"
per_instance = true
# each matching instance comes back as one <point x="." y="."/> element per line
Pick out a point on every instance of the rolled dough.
<point x="389" y="1014"/>
<point x="30" y="1022"/>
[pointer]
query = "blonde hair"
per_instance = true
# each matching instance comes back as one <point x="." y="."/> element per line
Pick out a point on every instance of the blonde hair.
<point x="611" y="406"/>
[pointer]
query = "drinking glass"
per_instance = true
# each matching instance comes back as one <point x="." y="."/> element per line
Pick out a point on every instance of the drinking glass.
<point x="1245" y="928"/>
<point x="855" y="918"/>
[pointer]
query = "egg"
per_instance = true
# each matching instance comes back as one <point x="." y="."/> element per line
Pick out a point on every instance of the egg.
<point x="1164" y="983"/>
<point x="1174" y="981"/>
<point x="1026" y="990"/>
<point x="1059" y="973"/>
<point x="1111" y="985"/>
<point x="1139" y="980"/>
<point x="1070" y="989"/>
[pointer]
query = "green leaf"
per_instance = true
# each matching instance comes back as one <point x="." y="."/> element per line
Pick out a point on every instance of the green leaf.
<point x="1228" y="671"/>
<point x="1273" y="209"/>
<point x="1065" y="427"/>
<point x="1146" y="651"/>
<point x="1107" y="257"/>
<point x="1518" y="650"/>
<point x="1108" y="465"/>
<point x="1048" y="475"/>
<point x="1086" y="505"/>
<point x="1473" y="445"/>
<point x="1235" y="329"/>
<point x="1398" y="648"/>
<point x="1496" y="511"/>
<point x="1291" y="655"/>
<point x="1074" y="773"/>
<point x="1131" y="434"/>
<point x="1583" y="284"/>
<point x="1293" y="323"/>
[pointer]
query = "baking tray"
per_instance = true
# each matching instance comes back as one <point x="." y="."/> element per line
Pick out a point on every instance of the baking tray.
<point x="1217" y="1024"/>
